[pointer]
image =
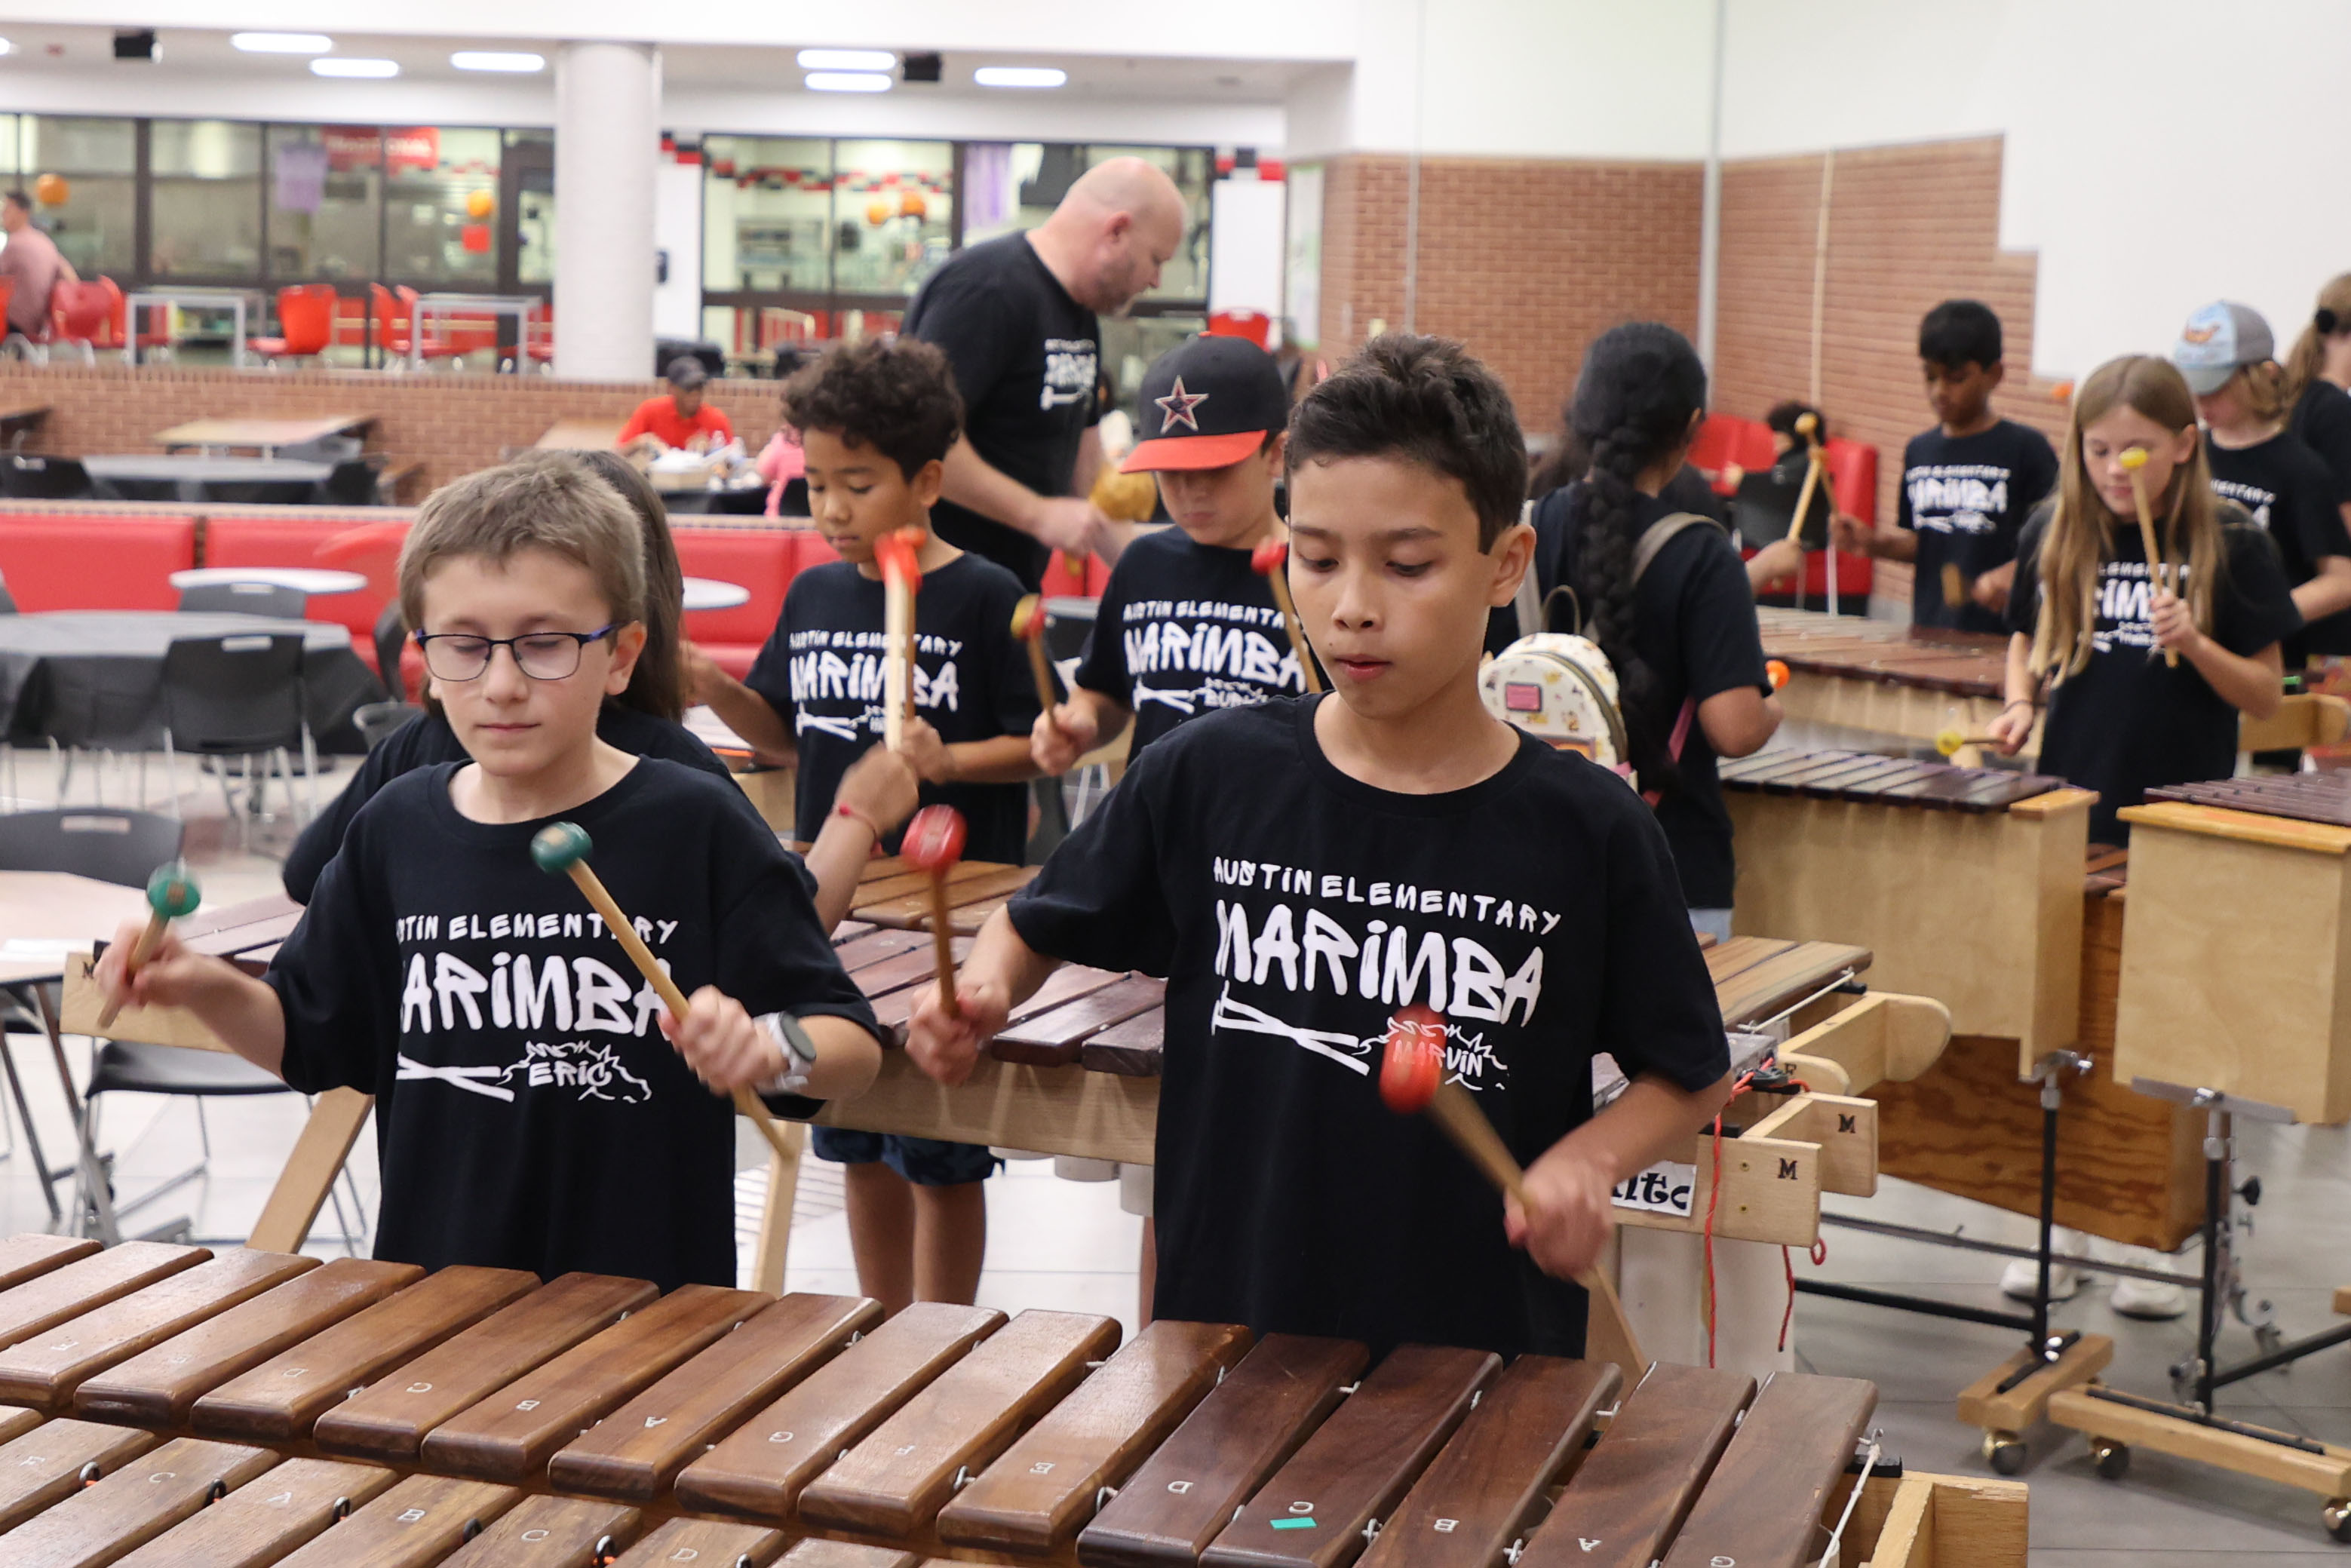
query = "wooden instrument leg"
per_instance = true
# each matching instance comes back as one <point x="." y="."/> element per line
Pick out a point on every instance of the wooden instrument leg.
<point x="776" y="1218"/>
<point x="310" y="1171"/>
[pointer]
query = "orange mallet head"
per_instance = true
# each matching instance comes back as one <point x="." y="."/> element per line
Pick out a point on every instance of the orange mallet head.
<point x="1414" y="1061"/>
<point x="1270" y="557"/>
<point x="1776" y="672"/>
<point x="893" y="552"/>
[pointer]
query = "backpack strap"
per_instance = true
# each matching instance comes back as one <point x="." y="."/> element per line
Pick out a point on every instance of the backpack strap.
<point x="1657" y="535"/>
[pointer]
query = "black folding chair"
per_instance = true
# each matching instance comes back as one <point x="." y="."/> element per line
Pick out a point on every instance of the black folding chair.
<point x="355" y="482"/>
<point x="239" y="697"/>
<point x="270" y="599"/>
<point x="23" y="478"/>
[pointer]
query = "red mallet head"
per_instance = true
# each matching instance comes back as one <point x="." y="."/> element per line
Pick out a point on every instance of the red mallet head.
<point x="1028" y="618"/>
<point x="1270" y="557"/>
<point x="934" y="840"/>
<point x="893" y="552"/>
<point x="1414" y="1061"/>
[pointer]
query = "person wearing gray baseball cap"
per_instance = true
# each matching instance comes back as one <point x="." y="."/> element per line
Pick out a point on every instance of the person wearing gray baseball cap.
<point x="2228" y="358"/>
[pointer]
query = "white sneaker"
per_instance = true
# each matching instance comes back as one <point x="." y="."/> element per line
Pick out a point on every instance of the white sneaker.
<point x="2148" y="1300"/>
<point x="2022" y="1280"/>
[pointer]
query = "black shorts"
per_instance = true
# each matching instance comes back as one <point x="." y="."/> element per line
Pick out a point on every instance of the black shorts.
<point x="925" y="1162"/>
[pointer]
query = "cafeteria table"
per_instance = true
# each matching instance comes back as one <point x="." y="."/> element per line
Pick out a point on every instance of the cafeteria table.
<point x="95" y="677"/>
<point x="265" y="435"/>
<point x="318" y="582"/>
<point x="191" y="476"/>
<point x="580" y="435"/>
<point x="710" y="593"/>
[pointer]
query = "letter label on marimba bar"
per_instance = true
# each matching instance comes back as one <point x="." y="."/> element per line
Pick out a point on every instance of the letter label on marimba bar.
<point x="412" y="1515"/>
<point x="1302" y="1508"/>
<point x="418" y="1388"/>
<point x="1180" y="1488"/>
<point x="1448" y="1526"/>
<point x="537" y="1534"/>
<point x="527" y="1404"/>
<point x="780" y="1436"/>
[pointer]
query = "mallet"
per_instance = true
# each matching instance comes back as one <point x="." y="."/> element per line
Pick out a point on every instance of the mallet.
<point x="1412" y="1078"/>
<point x="1776" y="672"/>
<point x="564" y="847"/>
<point x="1808" y="426"/>
<point x="1950" y="742"/>
<point x="2158" y="571"/>
<point x="902" y="578"/>
<point x="933" y="843"/>
<point x="1271" y="561"/>
<point x="1955" y="586"/>
<point x="1028" y="625"/>
<point x="171" y="893"/>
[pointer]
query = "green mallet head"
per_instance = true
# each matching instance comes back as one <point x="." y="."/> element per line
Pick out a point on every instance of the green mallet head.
<point x="172" y="891"/>
<point x="559" y="846"/>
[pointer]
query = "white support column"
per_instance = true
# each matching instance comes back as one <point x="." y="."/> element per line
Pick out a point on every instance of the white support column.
<point x="607" y="140"/>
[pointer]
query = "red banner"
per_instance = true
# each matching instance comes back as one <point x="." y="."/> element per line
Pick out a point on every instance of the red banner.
<point x="352" y="147"/>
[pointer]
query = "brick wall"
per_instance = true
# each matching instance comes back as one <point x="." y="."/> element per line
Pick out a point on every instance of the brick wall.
<point x="452" y="424"/>
<point x="1525" y="260"/>
<point x="1909" y="226"/>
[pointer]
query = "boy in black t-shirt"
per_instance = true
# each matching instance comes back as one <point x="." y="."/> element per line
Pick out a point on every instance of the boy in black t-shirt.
<point x="528" y="1114"/>
<point x="1302" y="869"/>
<point x="1967" y="485"/>
<point x="877" y="419"/>
<point x="1186" y="625"/>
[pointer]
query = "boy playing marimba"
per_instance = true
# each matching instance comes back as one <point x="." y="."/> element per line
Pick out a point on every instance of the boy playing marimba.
<point x="1303" y="870"/>
<point x="530" y="1114"/>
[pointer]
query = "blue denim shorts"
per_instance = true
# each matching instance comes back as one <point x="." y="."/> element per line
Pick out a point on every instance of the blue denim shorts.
<point x="925" y="1162"/>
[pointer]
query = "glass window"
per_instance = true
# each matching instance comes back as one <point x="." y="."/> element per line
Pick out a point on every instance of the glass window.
<point x="893" y="212"/>
<point x="531" y="157"/>
<point x="441" y="186"/>
<point x="98" y="160"/>
<point x="205" y="213"/>
<point x="1010" y="185"/>
<point x="767" y="208"/>
<point x="326" y="202"/>
<point x="8" y="164"/>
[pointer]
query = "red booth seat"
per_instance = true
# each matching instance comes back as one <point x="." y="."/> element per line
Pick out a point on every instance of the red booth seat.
<point x="763" y="561"/>
<point x="90" y="561"/>
<point x="247" y="540"/>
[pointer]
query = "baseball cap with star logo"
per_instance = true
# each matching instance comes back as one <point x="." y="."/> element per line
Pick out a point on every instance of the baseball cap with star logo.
<point x="1207" y="403"/>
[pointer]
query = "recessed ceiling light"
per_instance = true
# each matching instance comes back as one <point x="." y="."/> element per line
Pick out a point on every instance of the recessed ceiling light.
<point x="281" y="43"/>
<point x="846" y="60"/>
<point x="847" y="82"/>
<point x="494" y="60"/>
<point x="5" y="47"/>
<point x="1019" y="76"/>
<point x="334" y="66"/>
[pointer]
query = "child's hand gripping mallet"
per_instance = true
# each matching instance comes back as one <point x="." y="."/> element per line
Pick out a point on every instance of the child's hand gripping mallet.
<point x="1271" y="561"/>
<point x="170" y="894"/>
<point x="2133" y="460"/>
<point x="1808" y="426"/>
<point x="933" y="843"/>
<point x="1028" y="625"/>
<point x="1412" y="1078"/>
<point x="1950" y="742"/>
<point x="902" y="578"/>
<point x="564" y="847"/>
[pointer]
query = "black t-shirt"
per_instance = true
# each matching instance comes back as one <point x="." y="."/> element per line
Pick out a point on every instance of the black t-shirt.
<point x="1292" y="910"/>
<point x="1694" y="624"/>
<point x="529" y="1112"/>
<point x="2286" y="489"/>
<point x="1026" y="358"/>
<point x="2130" y="723"/>
<point x="2322" y="420"/>
<point x="1967" y="498"/>
<point x="1186" y="629"/>
<point x="821" y="672"/>
<point x="427" y="740"/>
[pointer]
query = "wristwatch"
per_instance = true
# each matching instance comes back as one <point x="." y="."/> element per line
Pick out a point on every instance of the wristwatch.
<point x="800" y="1055"/>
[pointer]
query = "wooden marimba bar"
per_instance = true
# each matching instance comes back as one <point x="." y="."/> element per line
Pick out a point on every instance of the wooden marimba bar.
<point x="892" y="894"/>
<point x="1875" y="675"/>
<point x="169" y="1406"/>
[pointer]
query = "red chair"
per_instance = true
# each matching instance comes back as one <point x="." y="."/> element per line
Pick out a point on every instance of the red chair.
<point x="306" y="319"/>
<point x="539" y="335"/>
<point x="372" y="549"/>
<point x="395" y="314"/>
<point x="1718" y="441"/>
<point x="8" y="296"/>
<point x="87" y="313"/>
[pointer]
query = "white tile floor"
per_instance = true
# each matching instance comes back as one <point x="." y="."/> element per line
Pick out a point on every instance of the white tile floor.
<point x="1068" y="1246"/>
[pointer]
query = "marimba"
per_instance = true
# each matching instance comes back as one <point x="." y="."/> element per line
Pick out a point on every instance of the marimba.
<point x="890" y="892"/>
<point x="1964" y="882"/>
<point x="174" y="1406"/>
<point x="1876" y="675"/>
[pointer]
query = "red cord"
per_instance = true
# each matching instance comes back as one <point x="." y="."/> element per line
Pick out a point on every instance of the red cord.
<point x="1819" y="1252"/>
<point x="1713" y="1199"/>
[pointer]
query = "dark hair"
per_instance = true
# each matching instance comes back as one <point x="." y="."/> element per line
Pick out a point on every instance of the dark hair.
<point x="21" y="199"/>
<point x="1784" y="414"/>
<point x="897" y="395"/>
<point x="1959" y="333"/>
<point x="1641" y="388"/>
<point x="1426" y="401"/>
<point x="657" y="686"/>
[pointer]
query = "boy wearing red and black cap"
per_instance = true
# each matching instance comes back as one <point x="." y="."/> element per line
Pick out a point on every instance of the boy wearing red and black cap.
<point x="1186" y="625"/>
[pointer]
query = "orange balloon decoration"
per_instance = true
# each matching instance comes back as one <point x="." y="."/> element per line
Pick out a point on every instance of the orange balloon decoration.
<point x="51" y="190"/>
<point x="877" y="212"/>
<point x="911" y="204"/>
<point x="480" y="203"/>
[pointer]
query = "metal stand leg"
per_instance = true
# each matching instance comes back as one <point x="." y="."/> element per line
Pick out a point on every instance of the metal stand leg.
<point x="32" y="1136"/>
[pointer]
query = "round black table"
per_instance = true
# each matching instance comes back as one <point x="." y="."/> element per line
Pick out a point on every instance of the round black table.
<point x="95" y="677"/>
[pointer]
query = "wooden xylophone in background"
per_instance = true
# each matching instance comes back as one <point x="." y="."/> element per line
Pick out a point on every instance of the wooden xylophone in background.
<point x="169" y="1406"/>
<point x="1878" y="676"/>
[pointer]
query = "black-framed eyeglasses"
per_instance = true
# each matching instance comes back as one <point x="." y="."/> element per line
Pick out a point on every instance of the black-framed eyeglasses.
<point x="541" y="656"/>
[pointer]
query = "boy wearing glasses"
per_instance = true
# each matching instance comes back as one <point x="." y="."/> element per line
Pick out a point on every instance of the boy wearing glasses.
<point x="536" y="1108"/>
<point x="877" y="419"/>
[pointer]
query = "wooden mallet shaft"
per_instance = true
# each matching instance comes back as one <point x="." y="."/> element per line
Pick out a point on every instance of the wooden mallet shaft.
<point x="1272" y="558"/>
<point x="624" y="933"/>
<point x="943" y="944"/>
<point x="933" y="843"/>
<point x="2159" y="572"/>
<point x="151" y="939"/>
<point x="1028" y="625"/>
<point x="171" y="893"/>
<point x="895" y="553"/>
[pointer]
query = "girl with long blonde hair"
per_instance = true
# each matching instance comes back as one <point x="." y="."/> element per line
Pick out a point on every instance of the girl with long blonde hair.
<point x="2091" y="622"/>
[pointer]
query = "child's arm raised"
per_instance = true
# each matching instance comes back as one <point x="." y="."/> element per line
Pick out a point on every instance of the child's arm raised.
<point x="1568" y="1187"/>
<point x="999" y="760"/>
<point x="879" y="792"/>
<point x="745" y="711"/>
<point x="1002" y="972"/>
<point x="244" y="1013"/>
<point x="2253" y="683"/>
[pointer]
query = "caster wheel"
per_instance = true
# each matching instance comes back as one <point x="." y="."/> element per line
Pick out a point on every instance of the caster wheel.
<point x="2112" y="1458"/>
<point x="2005" y="1451"/>
<point x="2338" y="1515"/>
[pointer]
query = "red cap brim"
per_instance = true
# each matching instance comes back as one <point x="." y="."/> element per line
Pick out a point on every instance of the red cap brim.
<point x="1192" y="451"/>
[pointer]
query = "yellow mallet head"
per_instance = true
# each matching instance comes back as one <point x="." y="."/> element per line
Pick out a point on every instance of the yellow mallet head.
<point x="1949" y="742"/>
<point x="1807" y="422"/>
<point x="2133" y="459"/>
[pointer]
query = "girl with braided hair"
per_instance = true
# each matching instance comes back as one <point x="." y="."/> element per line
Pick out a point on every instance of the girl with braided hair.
<point x="1676" y="618"/>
